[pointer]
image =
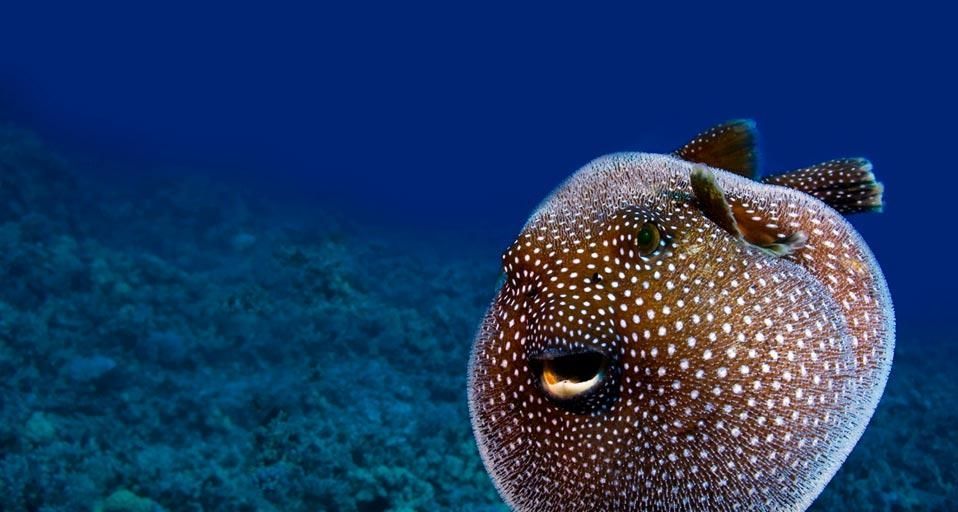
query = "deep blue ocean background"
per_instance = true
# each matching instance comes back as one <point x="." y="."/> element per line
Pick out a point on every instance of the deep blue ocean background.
<point x="244" y="249"/>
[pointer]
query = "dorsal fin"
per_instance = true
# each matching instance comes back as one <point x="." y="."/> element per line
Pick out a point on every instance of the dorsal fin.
<point x="729" y="146"/>
<point x="734" y="217"/>
<point x="846" y="184"/>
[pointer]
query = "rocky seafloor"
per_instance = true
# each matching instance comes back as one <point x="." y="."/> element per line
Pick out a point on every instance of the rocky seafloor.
<point x="177" y="344"/>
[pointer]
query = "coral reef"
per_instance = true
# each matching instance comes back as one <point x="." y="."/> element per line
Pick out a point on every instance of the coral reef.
<point x="180" y="345"/>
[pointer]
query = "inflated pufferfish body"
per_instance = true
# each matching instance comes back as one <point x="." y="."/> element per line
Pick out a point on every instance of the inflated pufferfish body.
<point x="675" y="336"/>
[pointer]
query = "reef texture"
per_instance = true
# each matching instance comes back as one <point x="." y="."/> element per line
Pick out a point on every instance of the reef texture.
<point x="177" y="345"/>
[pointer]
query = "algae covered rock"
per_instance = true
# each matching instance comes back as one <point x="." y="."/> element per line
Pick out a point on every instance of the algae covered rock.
<point x="40" y="428"/>
<point x="123" y="500"/>
<point x="88" y="369"/>
<point x="32" y="179"/>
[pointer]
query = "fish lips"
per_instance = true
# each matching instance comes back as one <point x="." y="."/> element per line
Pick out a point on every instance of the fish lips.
<point x="574" y="364"/>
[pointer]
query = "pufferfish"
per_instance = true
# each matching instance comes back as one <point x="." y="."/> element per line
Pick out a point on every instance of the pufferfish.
<point x="674" y="333"/>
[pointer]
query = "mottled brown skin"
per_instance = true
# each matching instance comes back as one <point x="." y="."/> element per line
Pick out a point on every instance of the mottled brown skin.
<point x="736" y="379"/>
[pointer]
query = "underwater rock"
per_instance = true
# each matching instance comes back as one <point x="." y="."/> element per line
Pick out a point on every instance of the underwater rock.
<point x="39" y="428"/>
<point x="32" y="179"/>
<point x="123" y="500"/>
<point x="242" y="241"/>
<point x="164" y="347"/>
<point x="88" y="369"/>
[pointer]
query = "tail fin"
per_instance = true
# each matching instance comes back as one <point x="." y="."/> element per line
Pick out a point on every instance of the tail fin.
<point x="846" y="184"/>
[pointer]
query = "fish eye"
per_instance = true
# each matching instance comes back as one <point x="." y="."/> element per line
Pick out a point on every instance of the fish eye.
<point x="647" y="239"/>
<point x="572" y="375"/>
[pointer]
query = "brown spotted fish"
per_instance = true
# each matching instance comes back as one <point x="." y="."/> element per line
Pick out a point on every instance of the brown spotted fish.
<point x="675" y="334"/>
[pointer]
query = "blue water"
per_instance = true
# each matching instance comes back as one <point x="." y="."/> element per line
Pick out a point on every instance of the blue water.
<point x="243" y="250"/>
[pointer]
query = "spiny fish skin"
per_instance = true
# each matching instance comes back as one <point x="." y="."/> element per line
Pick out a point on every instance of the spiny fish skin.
<point x="704" y="373"/>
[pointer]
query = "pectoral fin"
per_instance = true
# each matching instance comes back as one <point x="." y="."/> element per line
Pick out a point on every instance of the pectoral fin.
<point x="712" y="201"/>
<point x="735" y="217"/>
<point x="730" y="146"/>
<point x="763" y="235"/>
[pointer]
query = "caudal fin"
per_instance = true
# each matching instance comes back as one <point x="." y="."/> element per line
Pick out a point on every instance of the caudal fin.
<point x="846" y="184"/>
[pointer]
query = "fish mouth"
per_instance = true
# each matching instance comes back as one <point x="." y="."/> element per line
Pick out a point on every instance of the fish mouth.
<point x="568" y="375"/>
